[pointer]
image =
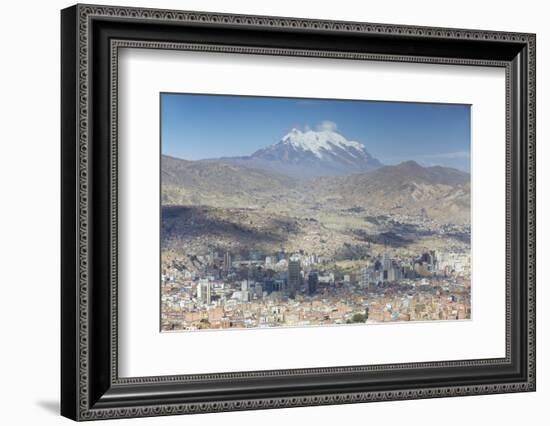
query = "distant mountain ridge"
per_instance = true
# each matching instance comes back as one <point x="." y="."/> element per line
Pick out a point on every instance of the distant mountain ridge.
<point x="442" y="193"/>
<point x="218" y="175"/>
<point x="311" y="154"/>
<point x="187" y="182"/>
<point x="409" y="188"/>
<point x="414" y="172"/>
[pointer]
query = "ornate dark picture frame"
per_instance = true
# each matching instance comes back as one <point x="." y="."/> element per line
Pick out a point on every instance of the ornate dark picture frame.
<point x="90" y="38"/>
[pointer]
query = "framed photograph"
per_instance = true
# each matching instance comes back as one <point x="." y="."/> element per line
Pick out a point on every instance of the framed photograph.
<point x="263" y="212"/>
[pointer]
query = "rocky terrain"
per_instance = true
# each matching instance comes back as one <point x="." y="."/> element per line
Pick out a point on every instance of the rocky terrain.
<point x="439" y="193"/>
<point x="230" y="205"/>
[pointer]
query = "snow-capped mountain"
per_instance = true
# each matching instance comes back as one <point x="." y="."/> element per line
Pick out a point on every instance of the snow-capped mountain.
<point x="322" y="145"/>
<point x="313" y="153"/>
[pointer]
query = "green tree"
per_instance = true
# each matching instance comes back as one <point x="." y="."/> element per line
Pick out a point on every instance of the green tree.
<point x="358" y="318"/>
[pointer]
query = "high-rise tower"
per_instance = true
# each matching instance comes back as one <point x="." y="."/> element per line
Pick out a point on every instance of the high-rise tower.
<point x="294" y="277"/>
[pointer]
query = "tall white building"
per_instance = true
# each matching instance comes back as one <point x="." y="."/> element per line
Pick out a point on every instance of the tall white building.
<point x="204" y="291"/>
<point x="227" y="261"/>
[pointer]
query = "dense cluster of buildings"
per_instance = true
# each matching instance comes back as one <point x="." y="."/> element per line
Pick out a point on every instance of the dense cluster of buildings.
<point x="281" y="289"/>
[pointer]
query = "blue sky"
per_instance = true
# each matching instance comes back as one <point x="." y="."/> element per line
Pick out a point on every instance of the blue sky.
<point x="208" y="126"/>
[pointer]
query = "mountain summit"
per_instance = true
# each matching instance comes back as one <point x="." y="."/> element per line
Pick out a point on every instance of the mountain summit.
<point x="313" y="153"/>
<point x="322" y="144"/>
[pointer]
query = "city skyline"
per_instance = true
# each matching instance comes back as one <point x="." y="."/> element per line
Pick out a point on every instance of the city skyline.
<point x="196" y="127"/>
<point x="286" y="290"/>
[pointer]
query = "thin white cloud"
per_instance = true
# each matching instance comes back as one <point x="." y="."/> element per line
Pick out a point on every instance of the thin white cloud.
<point x="327" y="125"/>
<point x="457" y="154"/>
